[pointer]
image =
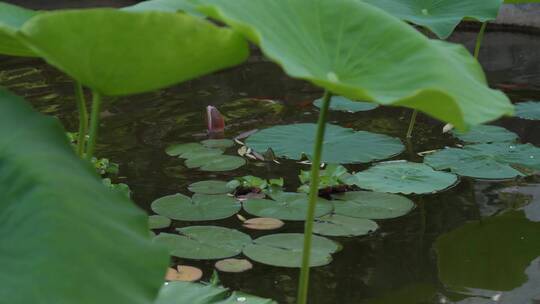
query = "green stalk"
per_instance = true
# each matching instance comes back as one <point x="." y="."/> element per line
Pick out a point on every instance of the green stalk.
<point x="83" y="117"/>
<point x="411" y="124"/>
<point x="94" y="125"/>
<point x="303" y="283"/>
<point x="479" y="40"/>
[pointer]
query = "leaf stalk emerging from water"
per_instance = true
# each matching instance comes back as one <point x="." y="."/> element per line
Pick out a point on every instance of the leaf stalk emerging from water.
<point x="94" y="124"/>
<point x="83" y="118"/>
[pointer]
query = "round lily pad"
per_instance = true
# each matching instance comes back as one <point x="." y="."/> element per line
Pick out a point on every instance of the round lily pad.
<point x="179" y="149"/>
<point x="216" y="162"/>
<point x="234" y="265"/>
<point x="201" y="207"/>
<point x="403" y="177"/>
<point x="285" y="250"/>
<point x="486" y="134"/>
<point x="263" y="223"/>
<point x="340" y="103"/>
<point x="204" y="242"/>
<point x="339" y="225"/>
<point x="201" y="153"/>
<point x="158" y="222"/>
<point x="371" y="205"/>
<point x="184" y="273"/>
<point x="528" y="110"/>
<point x="286" y="206"/>
<point x="341" y="145"/>
<point x="488" y="161"/>
<point x="218" y="143"/>
<point x="209" y="187"/>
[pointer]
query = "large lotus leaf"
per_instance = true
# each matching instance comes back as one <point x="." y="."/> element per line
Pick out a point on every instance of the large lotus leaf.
<point x="340" y="103"/>
<point x="64" y="235"/>
<point x="341" y="145"/>
<point x="372" y="205"/>
<point x="528" y="110"/>
<point x="491" y="254"/>
<point x="285" y="250"/>
<point x="286" y="206"/>
<point x="488" y="161"/>
<point x="440" y="16"/>
<point x="356" y="50"/>
<point x="339" y="225"/>
<point x="195" y="293"/>
<point x="116" y="52"/>
<point x="11" y="20"/>
<point x="486" y="134"/>
<point x="201" y="207"/>
<point x="204" y="242"/>
<point x="187" y="6"/>
<point x="403" y="177"/>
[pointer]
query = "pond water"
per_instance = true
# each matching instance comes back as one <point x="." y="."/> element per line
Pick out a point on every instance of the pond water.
<point x="478" y="242"/>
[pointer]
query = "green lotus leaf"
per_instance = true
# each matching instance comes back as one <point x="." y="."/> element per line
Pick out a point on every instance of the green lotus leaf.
<point x="403" y="177"/>
<point x="116" y="52"/>
<point x="59" y="224"/>
<point x="204" y="242"/>
<point x="187" y="6"/>
<point x="486" y="134"/>
<point x="215" y="162"/>
<point x="371" y="205"/>
<point x="491" y="254"/>
<point x="196" y="293"/>
<point x="440" y="16"/>
<point x="488" y="161"/>
<point x="201" y="207"/>
<point x="180" y="149"/>
<point x="158" y="222"/>
<point x="12" y="19"/>
<point x="288" y="206"/>
<point x="528" y="110"/>
<point x="210" y="187"/>
<point x="339" y="225"/>
<point x="335" y="45"/>
<point x="203" y="153"/>
<point x="340" y="103"/>
<point x="341" y="145"/>
<point x="218" y="143"/>
<point x="285" y="250"/>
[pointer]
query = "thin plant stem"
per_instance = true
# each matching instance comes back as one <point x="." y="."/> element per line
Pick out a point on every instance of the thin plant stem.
<point x="94" y="125"/>
<point x="83" y="118"/>
<point x="479" y="40"/>
<point x="411" y="123"/>
<point x="303" y="284"/>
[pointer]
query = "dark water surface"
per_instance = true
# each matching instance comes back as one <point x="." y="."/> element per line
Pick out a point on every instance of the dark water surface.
<point x="487" y="233"/>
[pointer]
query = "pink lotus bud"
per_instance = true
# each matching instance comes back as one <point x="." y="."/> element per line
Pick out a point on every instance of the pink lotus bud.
<point x="216" y="123"/>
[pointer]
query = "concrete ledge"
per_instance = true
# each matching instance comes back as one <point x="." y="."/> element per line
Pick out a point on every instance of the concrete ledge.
<point x="522" y="15"/>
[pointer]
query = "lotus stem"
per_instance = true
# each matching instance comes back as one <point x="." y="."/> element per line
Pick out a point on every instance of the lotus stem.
<point x="303" y="284"/>
<point x="83" y="118"/>
<point x="479" y="40"/>
<point x="411" y="123"/>
<point x="94" y="125"/>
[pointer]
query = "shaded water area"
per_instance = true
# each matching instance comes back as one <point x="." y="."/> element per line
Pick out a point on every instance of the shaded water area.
<point x="488" y="233"/>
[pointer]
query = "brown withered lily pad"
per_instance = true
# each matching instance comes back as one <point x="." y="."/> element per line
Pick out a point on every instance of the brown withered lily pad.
<point x="234" y="265"/>
<point x="184" y="273"/>
<point x="263" y="223"/>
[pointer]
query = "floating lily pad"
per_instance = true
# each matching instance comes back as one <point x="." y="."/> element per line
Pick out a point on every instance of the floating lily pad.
<point x="209" y="187"/>
<point x="158" y="222"/>
<point x="233" y="265"/>
<point x="340" y="103"/>
<point x="371" y="205"/>
<point x="403" y="177"/>
<point x="341" y="145"/>
<point x="263" y="223"/>
<point x="204" y="242"/>
<point x="488" y="161"/>
<point x="184" y="273"/>
<point x="486" y="134"/>
<point x="440" y="16"/>
<point x="218" y="143"/>
<point x="204" y="153"/>
<point x="286" y="206"/>
<point x="285" y="250"/>
<point x="201" y="207"/>
<point x="339" y="225"/>
<point x="528" y="110"/>
<point x="216" y="163"/>
<point x="179" y="149"/>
